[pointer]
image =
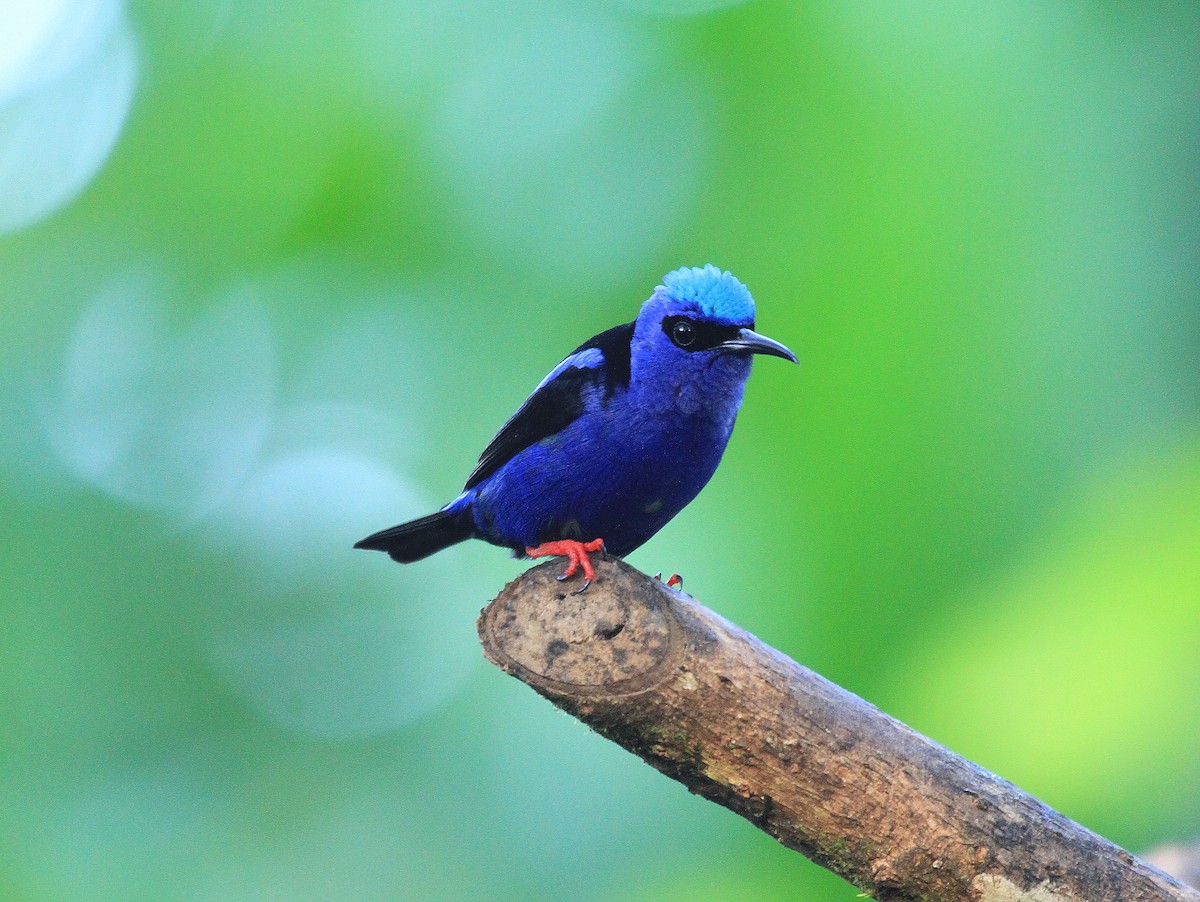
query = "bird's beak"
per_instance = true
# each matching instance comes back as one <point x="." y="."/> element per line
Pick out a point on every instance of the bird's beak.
<point x="750" y="342"/>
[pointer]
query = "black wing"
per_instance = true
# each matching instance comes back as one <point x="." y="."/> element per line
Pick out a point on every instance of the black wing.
<point x="559" y="400"/>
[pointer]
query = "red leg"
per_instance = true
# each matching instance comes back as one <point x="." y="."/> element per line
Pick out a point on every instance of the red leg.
<point x="575" y="552"/>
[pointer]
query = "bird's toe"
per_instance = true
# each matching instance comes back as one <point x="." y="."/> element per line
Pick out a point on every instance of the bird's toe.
<point x="577" y="554"/>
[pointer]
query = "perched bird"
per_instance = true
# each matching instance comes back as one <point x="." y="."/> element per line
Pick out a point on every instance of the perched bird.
<point x="616" y="440"/>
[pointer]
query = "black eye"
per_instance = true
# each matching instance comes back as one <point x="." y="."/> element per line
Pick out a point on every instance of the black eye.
<point x="683" y="333"/>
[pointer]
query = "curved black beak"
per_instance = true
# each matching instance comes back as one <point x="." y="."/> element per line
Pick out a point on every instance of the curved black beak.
<point x="750" y="342"/>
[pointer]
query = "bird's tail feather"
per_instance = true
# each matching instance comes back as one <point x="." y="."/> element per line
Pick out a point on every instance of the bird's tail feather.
<point x="422" y="537"/>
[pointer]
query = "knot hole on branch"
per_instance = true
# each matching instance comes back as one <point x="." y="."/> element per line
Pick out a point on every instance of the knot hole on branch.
<point x="608" y="631"/>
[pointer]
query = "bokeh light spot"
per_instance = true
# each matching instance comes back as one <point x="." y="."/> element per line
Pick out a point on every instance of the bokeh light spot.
<point x="44" y="39"/>
<point x="168" y="424"/>
<point x="313" y="642"/>
<point x="356" y="672"/>
<point x="66" y="85"/>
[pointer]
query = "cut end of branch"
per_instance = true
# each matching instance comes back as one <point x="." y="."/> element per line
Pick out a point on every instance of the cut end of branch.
<point x="617" y="637"/>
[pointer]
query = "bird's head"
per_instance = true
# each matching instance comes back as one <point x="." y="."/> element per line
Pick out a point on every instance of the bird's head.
<point x="701" y="315"/>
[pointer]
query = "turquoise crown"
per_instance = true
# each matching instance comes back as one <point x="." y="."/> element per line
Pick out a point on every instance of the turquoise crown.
<point x="717" y="294"/>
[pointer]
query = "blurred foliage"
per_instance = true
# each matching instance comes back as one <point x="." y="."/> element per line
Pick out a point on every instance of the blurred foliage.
<point x="271" y="275"/>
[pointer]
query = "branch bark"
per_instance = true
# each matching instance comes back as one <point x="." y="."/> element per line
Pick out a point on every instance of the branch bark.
<point x="818" y="768"/>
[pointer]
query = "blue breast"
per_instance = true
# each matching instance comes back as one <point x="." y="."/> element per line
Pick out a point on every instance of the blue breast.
<point x="620" y="472"/>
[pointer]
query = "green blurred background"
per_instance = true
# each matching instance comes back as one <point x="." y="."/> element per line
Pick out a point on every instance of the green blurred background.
<point x="272" y="274"/>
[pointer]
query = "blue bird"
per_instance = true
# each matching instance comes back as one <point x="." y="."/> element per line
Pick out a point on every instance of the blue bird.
<point x="616" y="440"/>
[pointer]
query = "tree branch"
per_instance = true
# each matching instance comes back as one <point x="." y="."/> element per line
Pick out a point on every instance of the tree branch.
<point x="818" y="768"/>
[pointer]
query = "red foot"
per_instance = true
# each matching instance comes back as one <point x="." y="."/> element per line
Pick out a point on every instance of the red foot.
<point x="674" y="580"/>
<point x="576" y="553"/>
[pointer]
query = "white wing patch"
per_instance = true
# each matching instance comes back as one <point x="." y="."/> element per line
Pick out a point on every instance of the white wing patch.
<point x="587" y="359"/>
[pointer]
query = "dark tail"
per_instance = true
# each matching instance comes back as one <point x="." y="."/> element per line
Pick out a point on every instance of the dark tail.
<point x="420" y="538"/>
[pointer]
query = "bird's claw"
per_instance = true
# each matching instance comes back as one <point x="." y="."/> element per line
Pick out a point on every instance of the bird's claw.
<point x="675" y="581"/>
<point x="577" y="554"/>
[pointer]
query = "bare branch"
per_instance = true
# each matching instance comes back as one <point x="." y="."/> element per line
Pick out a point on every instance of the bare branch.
<point x="818" y="768"/>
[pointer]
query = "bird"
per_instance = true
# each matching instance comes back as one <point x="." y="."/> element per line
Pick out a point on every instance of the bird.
<point x="616" y="440"/>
